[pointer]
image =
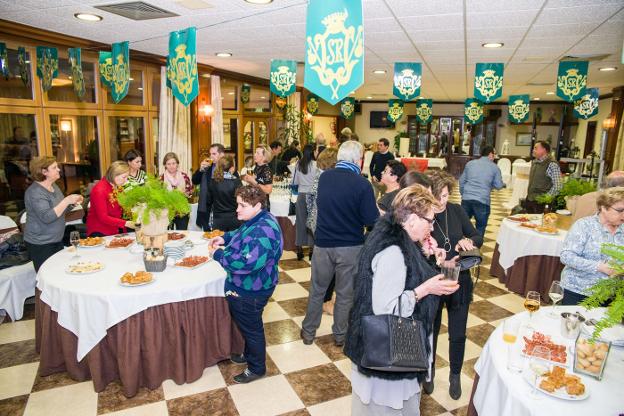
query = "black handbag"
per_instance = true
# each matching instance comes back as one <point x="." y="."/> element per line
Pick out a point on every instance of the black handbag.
<point x="393" y="343"/>
<point x="469" y="259"/>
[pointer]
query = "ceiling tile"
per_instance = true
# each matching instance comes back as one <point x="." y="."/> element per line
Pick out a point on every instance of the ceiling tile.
<point x="520" y="18"/>
<point x="570" y="15"/>
<point x="433" y="22"/>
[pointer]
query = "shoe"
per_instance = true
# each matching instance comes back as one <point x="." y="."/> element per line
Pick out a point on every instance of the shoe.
<point x="339" y="343"/>
<point x="246" y="377"/>
<point x="455" y="386"/>
<point x="311" y="252"/>
<point x="428" y="387"/>
<point x="306" y="340"/>
<point x="238" y="358"/>
<point x="299" y="253"/>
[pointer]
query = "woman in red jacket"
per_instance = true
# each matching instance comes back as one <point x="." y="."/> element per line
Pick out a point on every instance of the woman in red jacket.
<point x="104" y="217"/>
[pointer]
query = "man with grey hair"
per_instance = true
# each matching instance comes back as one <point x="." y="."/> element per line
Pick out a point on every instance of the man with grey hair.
<point x="345" y="205"/>
<point x="586" y="204"/>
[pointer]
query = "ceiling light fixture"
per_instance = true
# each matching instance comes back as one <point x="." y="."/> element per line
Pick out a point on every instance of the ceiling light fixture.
<point x="379" y="72"/>
<point x="492" y="45"/>
<point x="223" y="54"/>
<point x="259" y="1"/>
<point x="369" y="97"/>
<point x="536" y="98"/>
<point x="550" y="93"/>
<point x="88" y="17"/>
<point x="608" y="68"/>
<point x="206" y="75"/>
<point x="231" y="93"/>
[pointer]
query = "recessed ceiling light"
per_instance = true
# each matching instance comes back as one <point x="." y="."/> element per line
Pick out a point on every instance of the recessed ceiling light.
<point x="536" y="99"/>
<point x="608" y="68"/>
<point x="223" y="54"/>
<point x="550" y="93"/>
<point x="88" y="17"/>
<point x="259" y="1"/>
<point x="379" y="71"/>
<point x="492" y="45"/>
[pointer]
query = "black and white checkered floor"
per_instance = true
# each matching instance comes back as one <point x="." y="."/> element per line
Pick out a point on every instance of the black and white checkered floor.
<point x="301" y="380"/>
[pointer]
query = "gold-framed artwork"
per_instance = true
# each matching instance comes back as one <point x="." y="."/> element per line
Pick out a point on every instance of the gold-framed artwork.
<point x="523" y="139"/>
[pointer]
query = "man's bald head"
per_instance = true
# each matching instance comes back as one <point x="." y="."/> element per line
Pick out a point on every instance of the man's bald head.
<point x="615" y="178"/>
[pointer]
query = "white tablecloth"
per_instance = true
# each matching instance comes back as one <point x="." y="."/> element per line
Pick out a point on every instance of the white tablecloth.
<point x="280" y="205"/>
<point x="515" y="241"/>
<point x="501" y="392"/>
<point x="17" y="283"/>
<point x="193" y="218"/>
<point x="88" y="305"/>
<point x="437" y="162"/>
<point x="519" y="183"/>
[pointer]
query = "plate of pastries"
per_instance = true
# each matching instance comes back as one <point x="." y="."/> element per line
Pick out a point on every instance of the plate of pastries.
<point x="84" y="267"/>
<point x="209" y="235"/>
<point x="192" y="262"/>
<point x="136" y="279"/>
<point x="120" y="242"/>
<point x="547" y="229"/>
<point x="550" y="219"/>
<point x="91" y="242"/>
<point x="557" y="383"/>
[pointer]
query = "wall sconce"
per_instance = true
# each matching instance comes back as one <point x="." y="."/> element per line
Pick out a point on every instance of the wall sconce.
<point x="66" y="125"/>
<point x="206" y="110"/>
<point x="608" y="123"/>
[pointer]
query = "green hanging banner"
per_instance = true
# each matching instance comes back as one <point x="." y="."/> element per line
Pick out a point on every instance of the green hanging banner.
<point x="395" y="110"/>
<point x="24" y="68"/>
<point x="121" y="71"/>
<point x="47" y="66"/>
<point x="75" y="60"/>
<point x="473" y="111"/>
<point x="488" y="82"/>
<point x="4" y="61"/>
<point x="347" y="108"/>
<point x="312" y="103"/>
<point x="105" y="67"/>
<point x="334" y="57"/>
<point x="283" y="77"/>
<point x="182" y="65"/>
<point x="245" y="93"/>
<point x="572" y="80"/>
<point x="424" y="111"/>
<point x="407" y="80"/>
<point x="518" y="108"/>
<point x="587" y="106"/>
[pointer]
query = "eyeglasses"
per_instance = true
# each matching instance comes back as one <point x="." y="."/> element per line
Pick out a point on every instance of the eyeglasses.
<point x="618" y="210"/>
<point x="429" y="220"/>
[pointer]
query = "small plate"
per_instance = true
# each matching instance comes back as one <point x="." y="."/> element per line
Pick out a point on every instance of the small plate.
<point x="67" y="270"/>
<point x="136" y="284"/>
<point x="97" y="245"/>
<point x="559" y="393"/>
<point x="563" y="212"/>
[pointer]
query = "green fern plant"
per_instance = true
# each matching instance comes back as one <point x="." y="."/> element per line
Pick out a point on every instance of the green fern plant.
<point x="155" y="197"/>
<point x="544" y="199"/>
<point x="606" y="290"/>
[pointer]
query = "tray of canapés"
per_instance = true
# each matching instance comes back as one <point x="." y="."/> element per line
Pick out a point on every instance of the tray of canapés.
<point x="84" y="267"/>
<point x="557" y="383"/>
<point x="91" y="242"/>
<point x="209" y="235"/>
<point x="139" y="278"/>
<point x="192" y="262"/>
<point x="120" y="242"/>
<point x="558" y="352"/>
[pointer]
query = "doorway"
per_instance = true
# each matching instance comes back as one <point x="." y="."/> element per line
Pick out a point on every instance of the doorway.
<point x="590" y="136"/>
<point x="255" y="132"/>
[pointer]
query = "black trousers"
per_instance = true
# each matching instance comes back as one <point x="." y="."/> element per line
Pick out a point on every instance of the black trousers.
<point x="39" y="253"/>
<point x="181" y="223"/>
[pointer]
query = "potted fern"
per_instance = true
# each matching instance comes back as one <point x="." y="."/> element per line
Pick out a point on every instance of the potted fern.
<point x="611" y="289"/>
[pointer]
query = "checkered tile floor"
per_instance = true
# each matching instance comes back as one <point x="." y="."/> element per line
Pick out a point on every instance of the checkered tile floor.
<point x="301" y="380"/>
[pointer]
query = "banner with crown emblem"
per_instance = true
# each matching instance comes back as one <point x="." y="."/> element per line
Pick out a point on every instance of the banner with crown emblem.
<point x="47" y="66"/>
<point x="334" y="58"/>
<point x="473" y="111"/>
<point x="121" y="71"/>
<point x="4" y="61"/>
<point x="395" y="110"/>
<point x="182" y="65"/>
<point x="488" y="84"/>
<point x="105" y="68"/>
<point x="587" y="106"/>
<point x="283" y="77"/>
<point x="75" y="61"/>
<point x="312" y="103"/>
<point x="572" y="79"/>
<point x="347" y="108"/>
<point x="518" y="108"/>
<point x="407" y="80"/>
<point x="245" y="93"/>
<point x="424" y="111"/>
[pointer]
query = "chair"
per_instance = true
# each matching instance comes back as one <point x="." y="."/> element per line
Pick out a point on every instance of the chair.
<point x="504" y="165"/>
<point x="514" y="169"/>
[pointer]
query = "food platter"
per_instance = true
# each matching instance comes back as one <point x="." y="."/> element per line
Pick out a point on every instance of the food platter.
<point x="546" y="230"/>
<point x="91" y="242"/>
<point x="559" y="393"/>
<point x="559" y="352"/>
<point x="122" y="242"/>
<point x="137" y="284"/>
<point x="209" y="235"/>
<point x="192" y="262"/>
<point x="84" y="267"/>
<point x="139" y="278"/>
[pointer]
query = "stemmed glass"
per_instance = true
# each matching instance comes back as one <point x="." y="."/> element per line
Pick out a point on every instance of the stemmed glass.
<point x="556" y="295"/>
<point x="538" y="364"/>
<point x="532" y="304"/>
<point x="511" y="328"/>
<point x="74" y="239"/>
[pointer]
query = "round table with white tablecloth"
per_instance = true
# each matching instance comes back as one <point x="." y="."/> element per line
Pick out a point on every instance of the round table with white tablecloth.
<point x="280" y="205"/>
<point x="525" y="259"/>
<point x="499" y="391"/>
<point x="92" y="326"/>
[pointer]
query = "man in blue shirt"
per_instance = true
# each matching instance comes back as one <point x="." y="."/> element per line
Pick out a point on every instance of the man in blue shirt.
<point x="476" y="183"/>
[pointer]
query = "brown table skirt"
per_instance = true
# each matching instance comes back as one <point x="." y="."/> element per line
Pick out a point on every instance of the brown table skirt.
<point x="288" y="233"/>
<point x="528" y="273"/>
<point x="173" y="341"/>
<point x="471" y="409"/>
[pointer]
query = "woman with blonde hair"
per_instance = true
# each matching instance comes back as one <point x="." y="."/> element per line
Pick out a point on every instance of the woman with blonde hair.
<point x="46" y="208"/>
<point x="105" y="214"/>
<point x="221" y="199"/>
<point x="262" y="173"/>
<point x="176" y="179"/>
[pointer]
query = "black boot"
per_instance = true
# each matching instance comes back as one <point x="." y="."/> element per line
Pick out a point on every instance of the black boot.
<point x="428" y="385"/>
<point x="455" y="386"/>
<point x="299" y="253"/>
<point x="311" y="252"/>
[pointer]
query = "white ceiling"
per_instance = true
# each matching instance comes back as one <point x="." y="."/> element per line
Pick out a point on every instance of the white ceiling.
<point x="445" y="35"/>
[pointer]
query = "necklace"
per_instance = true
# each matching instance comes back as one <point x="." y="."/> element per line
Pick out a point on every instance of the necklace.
<point x="447" y="242"/>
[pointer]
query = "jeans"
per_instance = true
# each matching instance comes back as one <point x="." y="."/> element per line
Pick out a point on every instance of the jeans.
<point x="572" y="298"/>
<point x="39" y="253"/>
<point x="247" y="311"/>
<point x="478" y="210"/>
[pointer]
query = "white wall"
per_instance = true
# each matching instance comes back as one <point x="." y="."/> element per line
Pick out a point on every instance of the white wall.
<point x="322" y="124"/>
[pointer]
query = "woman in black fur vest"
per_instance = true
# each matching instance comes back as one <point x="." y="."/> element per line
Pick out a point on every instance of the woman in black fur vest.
<point x="391" y="265"/>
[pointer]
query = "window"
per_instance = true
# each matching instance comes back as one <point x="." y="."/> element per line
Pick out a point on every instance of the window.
<point x="125" y="133"/>
<point x="14" y="87"/>
<point x="63" y="89"/>
<point x="18" y="145"/>
<point x="135" y="90"/>
<point x="75" y="146"/>
<point x="259" y="100"/>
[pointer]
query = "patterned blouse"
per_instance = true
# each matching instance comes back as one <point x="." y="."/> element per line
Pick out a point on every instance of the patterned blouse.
<point x="137" y="180"/>
<point x="581" y="253"/>
<point x="263" y="175"/>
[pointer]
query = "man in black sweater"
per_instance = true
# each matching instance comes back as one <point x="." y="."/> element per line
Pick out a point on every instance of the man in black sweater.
<point x="378" y="164"/>
<point x="202" y="177"/>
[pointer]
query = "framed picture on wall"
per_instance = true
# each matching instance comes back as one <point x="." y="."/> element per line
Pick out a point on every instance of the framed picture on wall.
<point x="523" y="139"/>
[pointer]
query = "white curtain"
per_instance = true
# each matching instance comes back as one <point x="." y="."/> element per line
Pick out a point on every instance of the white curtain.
<point x="174" y="127"/>
<point x="216" y="126"/>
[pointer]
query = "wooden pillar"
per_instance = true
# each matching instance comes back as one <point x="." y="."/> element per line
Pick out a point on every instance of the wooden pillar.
<point x="617" y="105"/>
<point x="200" y="123"/>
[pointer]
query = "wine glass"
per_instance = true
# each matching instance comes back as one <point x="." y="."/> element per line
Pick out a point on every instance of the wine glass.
<point x="74" y="239"/>
<point x="511" y="328"/>
<point x="532" y="304"/>
<point x="538" y="364"/>
<point x="555" y="293"/>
